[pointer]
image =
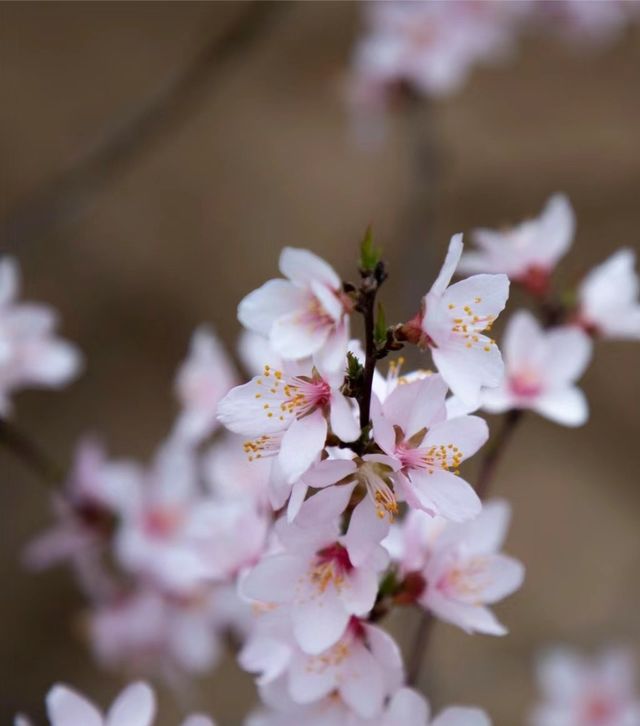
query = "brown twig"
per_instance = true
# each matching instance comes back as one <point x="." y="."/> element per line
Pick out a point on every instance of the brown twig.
<point x="66" y="195"/>
<point x="30" y="454"/>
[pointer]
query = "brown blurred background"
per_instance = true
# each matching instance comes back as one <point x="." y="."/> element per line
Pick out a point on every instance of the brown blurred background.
<point x="258" y="154"/>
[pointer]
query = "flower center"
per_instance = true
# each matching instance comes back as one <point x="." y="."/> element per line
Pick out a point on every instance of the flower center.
<point x="470" y="326"/>
<point x="443" y="456"/>
<point x="330" y="567"/>
<point x="525" y="385"/>
<point x="374" y="478"/>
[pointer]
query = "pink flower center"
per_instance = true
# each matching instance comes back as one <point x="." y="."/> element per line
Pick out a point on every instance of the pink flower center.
<point x="315" y="316"/>
<point x="525" y="385"/>
<point x="161" y="522"/>
<point x="599" y="710"/>
<point x="330" y="567"/>
<point x="430" y="458"/>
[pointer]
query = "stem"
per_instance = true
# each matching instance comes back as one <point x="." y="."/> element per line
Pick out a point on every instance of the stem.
<point x="30" y="454"/>
<point x="370" y="356"/>
<point x="421" y="640"/>
<point x="496" y="450"/>
<point x="487" y="472"/>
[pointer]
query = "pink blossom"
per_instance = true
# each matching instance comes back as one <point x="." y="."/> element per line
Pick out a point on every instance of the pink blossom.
<point x="411" y="427"/>
<point x="363" y="669"/>
<point x="166" y="635"/>
<point x="289" y="413"/>
<point x="430" y="46"/>
<point x="452" y="324"/>
<point x="315" y="574"/>
<point x="541" y="369"/>
<point x="135" y="706"/>
<point x="608" y="298"/>
<point x="462" y="566"/>
<point x="406" y="707"/>
<point x="528" y="252"/>
<point x="153" y="539"/>
<point x="31" y="355"/>
<point x="202" y="380"/>
<point x="578" y="691"/>
<point x="304" y="315"/>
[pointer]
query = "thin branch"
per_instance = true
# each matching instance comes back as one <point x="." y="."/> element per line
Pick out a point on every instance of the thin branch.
<point x="66" y="195"/>
<point x="420" y="643"/>
<point x="30" y="454"/>
<point x="370" y="356"/>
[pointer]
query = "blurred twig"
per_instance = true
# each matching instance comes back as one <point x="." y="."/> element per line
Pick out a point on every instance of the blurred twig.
<point x="66" y="195"/>
<point x="30" y="454"/>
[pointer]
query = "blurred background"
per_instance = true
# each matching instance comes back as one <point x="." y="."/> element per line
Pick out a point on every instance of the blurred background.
<point x="136" y="241"/>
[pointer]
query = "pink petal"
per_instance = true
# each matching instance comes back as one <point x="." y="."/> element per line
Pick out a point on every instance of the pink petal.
<point x="303" y="267"/>
<point x="259" y="310"/>
<point x="445" y="494"/>
<point x="66" y="707"/>
<point x="301" y="444"/>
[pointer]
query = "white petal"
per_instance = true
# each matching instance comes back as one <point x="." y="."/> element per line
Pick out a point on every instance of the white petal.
<point x="467" y="370"/>
<point x="566" y="406"/>
<point x="454" y="253"/>
<point x="198" y="720"/>
<point x="245" y="409"/>
<point x="459" y="716"/>
<point x="274" y="578"/>
<point x="359" y="592"/>
<point x="486" y="533"/>
<point x="362" y="683"/>
<point x="366" y="531"/>
<point x="319" y="620"/>
<point x="503" y="577"/>
<point x="332" y="357"/>
<point x="556" y="229"/>
<point x="135" y="706"/>
<point x="445" y="494"/>
<point x="301" y="444"/>
<point x="294" y="338"/>
<point x="485" y="295"/>
<point x="343" y="417"/>
<point x="303" y="267"/>
<point x="310" y="679"/>
<point x="259" y="310"/>
<point x="568" y="354"/>
<point x="471" y="618"/>
<point x="521" y="335"/>
<point x="65" y="707"/>
<point x="407" y="707"/>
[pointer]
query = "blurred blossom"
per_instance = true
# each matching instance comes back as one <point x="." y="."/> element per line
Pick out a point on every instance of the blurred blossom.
<point x="406" y="707"/>
<point x="528" y="252"/>
<point x="154" y="633"/>
<point x="431" y="47"/>
<point x="135" y="706"/>
<point x="608" y="303"/>
<point x="542" y="367"/>
<point x="306" y="314"/>
<point x="584" y="22"/>
<point x="580" y="691"/>
<point x="461" y="565"/>
<point x="202" y="380"/>
<point x="31" y="355"/>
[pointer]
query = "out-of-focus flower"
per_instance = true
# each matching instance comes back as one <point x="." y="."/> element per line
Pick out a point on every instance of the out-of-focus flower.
<point x="31" y="355"/>
<point x="153" y="539"/>
<point x="528" y="252"/>
<point x="430" y="47"/>
<point x="452" y="323"/>
<point x="405" y="707"/>
<point x="363" y="669"/>
<point x="315" y="576"/>
<point x="608" y="303"/>
<point x="578" y="691"/>
<point x="288" y="412"/>
<point x="541" y="369"/>
<point x="461" y="565"/>
<point x="135" y="706"/>
<point x="202" y="380"/>
<point x="586" y="23"/>
<point x="148" y="632"/>
<point x="411" y="427"/>
<point x="304" y="315"/>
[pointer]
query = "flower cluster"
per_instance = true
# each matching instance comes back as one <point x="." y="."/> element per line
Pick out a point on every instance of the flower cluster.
<point x="336" y="493"/>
